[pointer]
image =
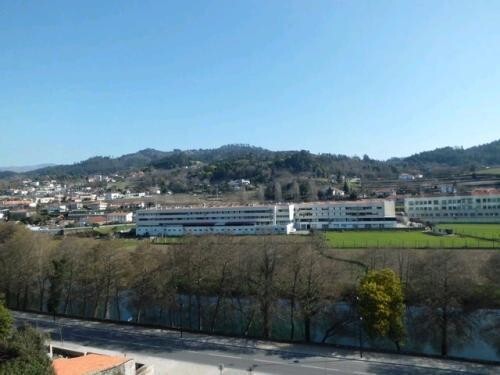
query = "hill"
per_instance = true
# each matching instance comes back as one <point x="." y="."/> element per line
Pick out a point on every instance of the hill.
<point x="24" y="168"/>
<point x="261" y="165"/>
<point x="484" y="155"/>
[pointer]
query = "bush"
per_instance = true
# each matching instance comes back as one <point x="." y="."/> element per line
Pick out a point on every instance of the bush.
<point x="22" y="350"/>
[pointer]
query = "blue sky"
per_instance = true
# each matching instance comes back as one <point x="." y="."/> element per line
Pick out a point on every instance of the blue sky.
<point x="385" y="78"/>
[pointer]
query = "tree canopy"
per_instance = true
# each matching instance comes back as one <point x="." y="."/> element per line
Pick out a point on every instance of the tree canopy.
<point x="381" y="305"/>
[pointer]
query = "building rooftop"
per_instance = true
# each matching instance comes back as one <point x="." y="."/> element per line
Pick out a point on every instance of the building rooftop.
<point x="86" y="365"/>
<point x="119" y="213"/>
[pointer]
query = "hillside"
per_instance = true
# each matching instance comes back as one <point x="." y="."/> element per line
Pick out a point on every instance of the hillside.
<point x="24" y="168"/>
<point x="487" y="155"/>
<point x="261" y="165"/>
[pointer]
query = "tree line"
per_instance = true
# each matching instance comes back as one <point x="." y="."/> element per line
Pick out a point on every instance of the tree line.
<point x="277" y="287"/>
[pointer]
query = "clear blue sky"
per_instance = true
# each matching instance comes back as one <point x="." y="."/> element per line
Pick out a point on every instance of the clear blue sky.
<point x="385" y="78"/>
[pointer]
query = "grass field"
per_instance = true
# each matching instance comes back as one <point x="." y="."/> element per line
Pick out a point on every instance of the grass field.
<point x="490" y="171"/>
<point x="404" y="239"/>
<point x="487" y="231"/>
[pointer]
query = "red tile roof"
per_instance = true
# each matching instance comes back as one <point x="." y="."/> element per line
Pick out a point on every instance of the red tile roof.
<point x="85" y="365"/>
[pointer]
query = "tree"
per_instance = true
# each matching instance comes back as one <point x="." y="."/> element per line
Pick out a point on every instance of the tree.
<point x="261" y="193"/>
<point x="310" y="292"/>
<point x="491" y="293"/>
<point x="56" y="280"/>
<point x="443" y="291"/>
<point x="289" y="282"/>
<point x="381" y="305"/>
<point x="346" y="187"/>
<point x="145" y="280"/>
<point x="278" y="194"/>
<point x="22" y="350"/>
<point x="295" y="191"/>
<point x="5" y="322"/>
<point x="26" y="354"/>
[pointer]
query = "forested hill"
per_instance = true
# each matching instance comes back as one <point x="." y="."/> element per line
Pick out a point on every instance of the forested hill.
<point x="244" y="161"/>
<point x="483" y="155"/>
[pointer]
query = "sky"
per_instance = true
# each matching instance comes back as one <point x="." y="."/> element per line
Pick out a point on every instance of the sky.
<point x="383" y="78"/>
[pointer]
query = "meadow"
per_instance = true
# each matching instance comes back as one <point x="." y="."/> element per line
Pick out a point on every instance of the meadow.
<point x="486" y="231"/>
<point x="405" y="239"/>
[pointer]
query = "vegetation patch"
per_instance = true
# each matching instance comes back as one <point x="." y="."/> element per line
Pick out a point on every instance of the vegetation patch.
<point x="404" y="239"/>
<point x="484" y="231"/>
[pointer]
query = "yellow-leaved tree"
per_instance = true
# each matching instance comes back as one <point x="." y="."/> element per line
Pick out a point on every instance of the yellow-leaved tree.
<point x="381" y="305"/>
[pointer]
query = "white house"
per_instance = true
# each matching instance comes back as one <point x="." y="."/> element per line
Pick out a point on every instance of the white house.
<point x="406" y="177"/>
<point x="120" y="217"/>
<point x="112" y="195"/>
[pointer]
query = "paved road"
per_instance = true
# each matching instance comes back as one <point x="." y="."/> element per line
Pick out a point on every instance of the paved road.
<point x="237" y="353"/>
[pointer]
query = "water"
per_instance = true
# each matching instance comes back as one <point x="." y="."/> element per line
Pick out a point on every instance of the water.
<point x="477" y="341"/>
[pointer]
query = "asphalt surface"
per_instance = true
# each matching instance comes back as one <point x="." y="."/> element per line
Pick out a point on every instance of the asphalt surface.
<point x="206" y="350"/>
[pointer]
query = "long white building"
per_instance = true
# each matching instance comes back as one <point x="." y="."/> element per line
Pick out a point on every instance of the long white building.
<point x="266" y="219"/>
<point x="367" y="214"/>
<point x="476" y="208"/>
<point x="235" y="220"/>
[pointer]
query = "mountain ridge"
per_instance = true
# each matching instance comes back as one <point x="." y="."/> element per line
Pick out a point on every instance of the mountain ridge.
<point x="220" y="161"/>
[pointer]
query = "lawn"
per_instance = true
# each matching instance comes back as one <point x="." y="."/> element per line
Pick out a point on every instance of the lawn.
<point x="490" y="171"/>
<point x="403" y="239"/>
<point x="487" y="231"/>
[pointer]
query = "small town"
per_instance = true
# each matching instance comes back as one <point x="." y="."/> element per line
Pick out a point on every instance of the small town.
<point x="58" y="207"/>
<point x="250" y="187"/>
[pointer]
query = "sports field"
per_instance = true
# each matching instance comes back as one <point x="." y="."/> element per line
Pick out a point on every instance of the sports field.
<point x="487" y="231"/>
<point x="490" y="171"/>
<point x="405" y="239"/>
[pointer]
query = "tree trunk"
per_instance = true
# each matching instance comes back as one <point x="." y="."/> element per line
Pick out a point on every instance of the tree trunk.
<point x="307" y="329"/>
<point x="25" y="299"/>
<point x="68" y="294"/>
<point x="117" y="304"/>
<point x="198" y="305"/>
<point x="106" y="300"/>
<point x="249" y="323"/>
<point x="292" y="318"/>
<point x="190" y="311"/>
<point x="214" y="316"/>
<point x="83" y="308"/>
<point x="266" y="326"/>
<point x="444" y="333"/>
<point x="41" y="296"/>
<point x="398" y="346"/>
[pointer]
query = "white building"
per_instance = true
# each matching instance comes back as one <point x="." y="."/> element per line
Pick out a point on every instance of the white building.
<point x="268" y="219"/>
<point x="447" y="189"/>
<point x="366" y="214"/>
<point x="406" y="177"/>
<point x="45" y="200"/>
<point x="235" y="220"/>
<point x="237" y="184"/>
<point x="475" y="208"/>
<point x="112" y="195"/>
<point x="96" y="205"/>
<point x="120" y="217"/>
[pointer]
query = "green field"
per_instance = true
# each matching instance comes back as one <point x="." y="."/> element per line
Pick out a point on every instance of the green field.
<point x="490" y="171"/>
<point x="404" y="239"/>
<point x="487" y="231"/>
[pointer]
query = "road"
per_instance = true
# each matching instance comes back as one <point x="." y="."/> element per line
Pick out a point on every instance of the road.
<point x="237" y="354"/>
